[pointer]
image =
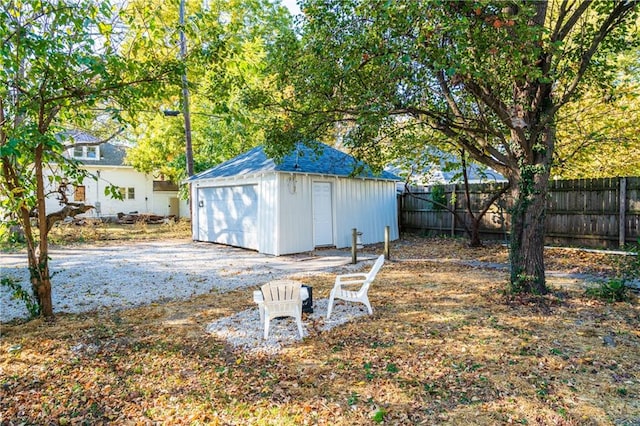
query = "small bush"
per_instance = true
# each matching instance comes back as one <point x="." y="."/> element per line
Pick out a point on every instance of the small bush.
<point x="439" y="197"/>
<point x="11" y="235"/>
<point x="614" y="290"/>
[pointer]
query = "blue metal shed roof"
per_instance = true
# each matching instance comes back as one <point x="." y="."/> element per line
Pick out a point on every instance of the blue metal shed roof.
<point x="323" y="160"/>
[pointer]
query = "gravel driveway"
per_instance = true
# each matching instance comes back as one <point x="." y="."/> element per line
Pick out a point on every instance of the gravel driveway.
<point x="124" y="275"/>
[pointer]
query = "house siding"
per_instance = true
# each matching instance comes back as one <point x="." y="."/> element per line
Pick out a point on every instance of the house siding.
<point x="145" y="199"/>
<point x="104" y="205"/>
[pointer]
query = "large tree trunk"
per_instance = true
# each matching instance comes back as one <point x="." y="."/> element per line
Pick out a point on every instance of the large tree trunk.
<point x="529" y="188"/>
<point x="527" y="242"/>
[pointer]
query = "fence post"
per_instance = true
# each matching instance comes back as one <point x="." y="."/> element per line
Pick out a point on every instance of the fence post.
<point x="623" y="210"/>
<point x="354" y="246"/>
<point x="454" y="198"/>
<point x="387" y="253"/>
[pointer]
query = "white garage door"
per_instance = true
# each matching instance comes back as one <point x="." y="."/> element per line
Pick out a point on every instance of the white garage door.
<point x="229" y="215"/>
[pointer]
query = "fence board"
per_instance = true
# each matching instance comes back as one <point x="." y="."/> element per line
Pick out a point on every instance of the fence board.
<point x="585" y="212"/>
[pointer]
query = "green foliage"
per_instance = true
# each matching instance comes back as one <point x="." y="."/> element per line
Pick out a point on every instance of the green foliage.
<point x="521" y="283"/>
<point x="630" y="266"/>
<point x="378" y="415"/>
<point x="353" y="398"/>
<point x="229" y="44"/>
<point x="19" y="293"/>
<point x="65" y="65"/>
<point x="369" y="374"/>
<point x="599" y="134"/>
<point x="617" y="289"/>
<point x="438" y="196"/>
<point x="614" y="290"/>
<point x="10" y="235"/>
<point x="392" y="368"/>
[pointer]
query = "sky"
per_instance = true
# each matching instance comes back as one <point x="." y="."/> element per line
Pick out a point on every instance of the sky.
<point x="292" y="6"/>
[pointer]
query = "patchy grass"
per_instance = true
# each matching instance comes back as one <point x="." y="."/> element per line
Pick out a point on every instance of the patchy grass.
<point x="445" y="346"/>
<point x="96" y="231"/>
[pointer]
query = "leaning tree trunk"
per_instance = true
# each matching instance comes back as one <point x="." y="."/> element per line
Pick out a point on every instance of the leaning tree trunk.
<point x="40" y="277"/>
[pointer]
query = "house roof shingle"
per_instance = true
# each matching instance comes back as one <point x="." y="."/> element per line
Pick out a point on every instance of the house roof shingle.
<point x="324" y="160"/>
<point x="110" y="154"/>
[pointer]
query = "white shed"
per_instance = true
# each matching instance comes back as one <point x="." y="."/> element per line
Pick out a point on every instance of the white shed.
<point x="313" y="198"/>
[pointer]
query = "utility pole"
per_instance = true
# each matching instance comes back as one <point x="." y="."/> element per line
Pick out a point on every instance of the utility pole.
<point x="185" y="95"/>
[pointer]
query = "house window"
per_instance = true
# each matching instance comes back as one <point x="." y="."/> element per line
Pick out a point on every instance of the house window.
<point x="128" y="193"/>
<point x="92" y="152"/>
<point x="79" y="193"/>
<point x="86" y="152"/>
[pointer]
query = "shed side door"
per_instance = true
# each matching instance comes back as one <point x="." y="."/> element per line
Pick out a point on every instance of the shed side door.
<point x="322" y="214"/>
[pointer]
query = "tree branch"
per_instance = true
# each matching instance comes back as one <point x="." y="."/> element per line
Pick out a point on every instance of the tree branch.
<point x="69" y="210"/>
<point x="561" y="31"/>
<point x="617" y="15"/>
<point x="97" y="142"/>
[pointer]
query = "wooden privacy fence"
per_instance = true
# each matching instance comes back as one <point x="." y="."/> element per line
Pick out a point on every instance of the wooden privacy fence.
<point x="581" y="212"/>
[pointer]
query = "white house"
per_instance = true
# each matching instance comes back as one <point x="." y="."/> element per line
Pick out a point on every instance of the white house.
<point x="141" y="192"/>
<point x="312" y="198"/>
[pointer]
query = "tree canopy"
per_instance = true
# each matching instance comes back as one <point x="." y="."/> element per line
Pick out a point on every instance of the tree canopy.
<point x="599" y="134"/>
<point x="489" y="76"/>
<point x="228" y="44"/>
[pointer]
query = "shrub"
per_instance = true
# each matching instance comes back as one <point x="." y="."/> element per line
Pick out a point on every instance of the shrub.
<point x="614" y="290"/>
<point x="11" y="235"/>
<point x="631" y="267"/>
<point x="439" y="196"/>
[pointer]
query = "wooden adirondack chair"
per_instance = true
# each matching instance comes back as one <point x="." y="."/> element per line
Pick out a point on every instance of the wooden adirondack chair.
<point x="354" y="287"/>
<point x="282" y="299"/>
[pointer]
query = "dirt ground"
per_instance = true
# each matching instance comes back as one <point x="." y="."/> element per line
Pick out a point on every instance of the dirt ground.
<point x="446" y="345"/>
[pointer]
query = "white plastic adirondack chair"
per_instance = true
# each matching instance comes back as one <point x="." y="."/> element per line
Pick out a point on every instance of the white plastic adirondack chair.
<point x="345" y="287"/>
<point x="282" y="299"/>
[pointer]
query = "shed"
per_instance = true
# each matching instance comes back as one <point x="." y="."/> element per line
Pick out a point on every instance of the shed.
<point x="313" y="198"/>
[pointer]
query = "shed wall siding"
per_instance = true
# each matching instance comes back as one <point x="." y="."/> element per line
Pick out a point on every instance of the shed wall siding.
<point x="368" y="206"/>
<point x="268" y="207"/>
<point x="295" y="219"/>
